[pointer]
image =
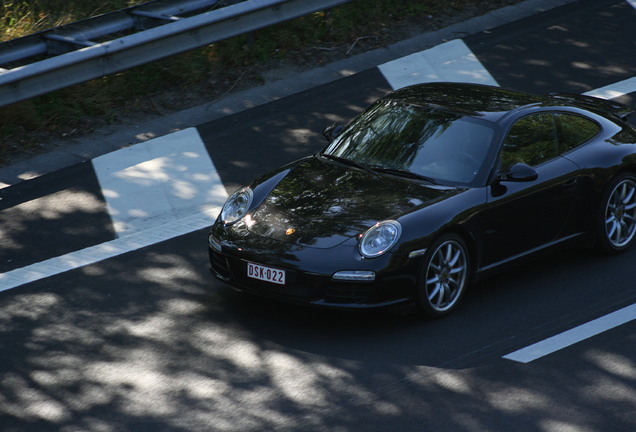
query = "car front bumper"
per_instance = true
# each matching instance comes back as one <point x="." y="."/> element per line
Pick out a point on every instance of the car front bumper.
<point x="309" y="276"/>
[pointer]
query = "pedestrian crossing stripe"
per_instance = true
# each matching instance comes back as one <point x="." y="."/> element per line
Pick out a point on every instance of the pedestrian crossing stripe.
<point x="451" y="61"/>
<point x="148" y="184"/>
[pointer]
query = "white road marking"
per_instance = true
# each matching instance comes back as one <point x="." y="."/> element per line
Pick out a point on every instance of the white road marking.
<point x="149" y="183"/>
<point x="573" y="336"/>
<point x="451" y="61"/>
<point x="181" y="224"/>
<point x="615" y="90"/>
<point x="155" y="191"/>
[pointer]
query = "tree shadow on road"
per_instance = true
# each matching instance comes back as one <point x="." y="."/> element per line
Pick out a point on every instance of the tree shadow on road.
<point x="148" y="341"/>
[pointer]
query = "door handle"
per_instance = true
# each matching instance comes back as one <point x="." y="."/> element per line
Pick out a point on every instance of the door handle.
<point x="571" y="183"/>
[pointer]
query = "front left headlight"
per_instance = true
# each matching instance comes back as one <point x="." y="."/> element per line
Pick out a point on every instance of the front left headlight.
<point x="237" y="206"/>
<point x="380" y="238"/>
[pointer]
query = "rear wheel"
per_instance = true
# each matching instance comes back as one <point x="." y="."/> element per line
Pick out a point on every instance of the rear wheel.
<point x="617" y="216"/>
<point x="444" y="276"/>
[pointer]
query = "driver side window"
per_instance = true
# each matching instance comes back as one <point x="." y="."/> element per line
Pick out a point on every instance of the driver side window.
<point x="531" y="140"/>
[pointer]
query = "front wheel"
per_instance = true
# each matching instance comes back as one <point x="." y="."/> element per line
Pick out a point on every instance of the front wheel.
<point x="444" y="276"/>
<point x="617" y="216"/>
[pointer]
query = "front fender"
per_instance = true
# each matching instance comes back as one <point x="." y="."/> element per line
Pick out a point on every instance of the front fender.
<point x="454" y="213"/>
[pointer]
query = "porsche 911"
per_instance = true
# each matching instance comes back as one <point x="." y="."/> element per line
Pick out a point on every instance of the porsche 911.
<point x="432" y="187"/>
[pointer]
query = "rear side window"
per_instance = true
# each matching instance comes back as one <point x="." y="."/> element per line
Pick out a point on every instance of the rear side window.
<point x="532" y="140"/>
<point x="575" y="130"/>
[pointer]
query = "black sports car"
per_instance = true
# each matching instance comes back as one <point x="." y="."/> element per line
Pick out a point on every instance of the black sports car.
<point x="432" y="186"/>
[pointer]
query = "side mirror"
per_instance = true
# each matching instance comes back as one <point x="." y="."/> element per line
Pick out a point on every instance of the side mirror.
<point x="519" y="172"/>
<point x="332" y="132"/>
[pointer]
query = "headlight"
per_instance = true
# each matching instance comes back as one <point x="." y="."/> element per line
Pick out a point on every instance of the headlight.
<point x="380" y="238"/>
<point x="237" y="206"/>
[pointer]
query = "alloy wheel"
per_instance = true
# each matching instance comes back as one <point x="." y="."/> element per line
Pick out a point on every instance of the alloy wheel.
<point x="620" y="214"/>
<point x="446" y="275"/>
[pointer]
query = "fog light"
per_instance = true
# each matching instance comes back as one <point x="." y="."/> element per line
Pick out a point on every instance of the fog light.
<point x="354" y="275"/>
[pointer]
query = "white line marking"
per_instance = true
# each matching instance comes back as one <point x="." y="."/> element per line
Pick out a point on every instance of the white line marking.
<point x="632" y="2"/>
<point x="615" y="90"/>
<point x="150" y="182"/>
<point x="451" y="61"/>
<point x="180" y="225"/>
<point x="155" y="191"/>
<point x="575" y="335"/>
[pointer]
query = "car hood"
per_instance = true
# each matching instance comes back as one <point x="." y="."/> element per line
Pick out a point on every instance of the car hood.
<point x="322" y="203"/>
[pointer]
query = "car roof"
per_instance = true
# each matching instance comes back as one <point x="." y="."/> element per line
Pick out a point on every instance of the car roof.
<point x="492" y="103"/>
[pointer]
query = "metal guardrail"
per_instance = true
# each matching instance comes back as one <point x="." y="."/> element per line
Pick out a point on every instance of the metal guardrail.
<point x="161" y="29"/>
<point x="88" y="32"/>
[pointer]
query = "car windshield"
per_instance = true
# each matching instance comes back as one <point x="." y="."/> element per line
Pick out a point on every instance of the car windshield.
<point x="395" y="138"/>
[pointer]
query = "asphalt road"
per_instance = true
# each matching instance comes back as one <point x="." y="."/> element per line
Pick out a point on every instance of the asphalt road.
<point x="146" y="341"/>
<point x="149" y="341"/>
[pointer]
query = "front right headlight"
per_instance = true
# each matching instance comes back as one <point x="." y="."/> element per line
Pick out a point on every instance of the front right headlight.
<point x="237" y="206"/>
<point x="380" y="238"/>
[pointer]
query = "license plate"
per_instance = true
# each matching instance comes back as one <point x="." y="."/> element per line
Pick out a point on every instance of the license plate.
<point x="266" y="274"/>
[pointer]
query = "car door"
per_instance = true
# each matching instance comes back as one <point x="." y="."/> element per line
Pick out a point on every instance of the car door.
<point x="521" y="216"/>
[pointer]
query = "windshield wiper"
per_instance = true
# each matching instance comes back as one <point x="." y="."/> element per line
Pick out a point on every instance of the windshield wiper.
<point x="349" y="162"/>
<point x="405" y="173"/>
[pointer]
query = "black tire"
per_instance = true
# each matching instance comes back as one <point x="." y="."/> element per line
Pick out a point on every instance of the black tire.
<point x="443" y="277"/>
<point x="616" y="222"/>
